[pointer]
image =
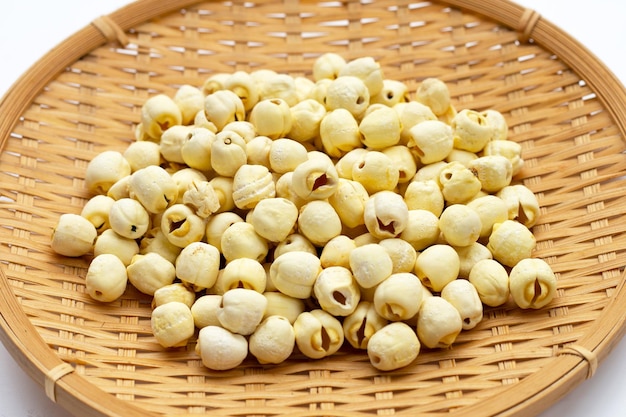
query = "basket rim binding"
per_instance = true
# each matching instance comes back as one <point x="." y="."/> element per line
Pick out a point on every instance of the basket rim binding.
<point x="71" y="391"/>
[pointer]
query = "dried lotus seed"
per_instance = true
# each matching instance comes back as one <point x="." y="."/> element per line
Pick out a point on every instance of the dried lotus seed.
<point x="114" y="244"/>
<point x="491" y="281"/>
<point x="398" y="297"/>
<point x="386" y="214"/>
<point x="182" y="226"/>
<point x="362" y="324"/>
<point x="274" y="218"/>
<point x="174" y="292"/>
<point x="436" y="266"/>
<point x="348" y="92"/>
<point x="434" y="93"/>
<point x="240" y="240"/>
<point x="336" y="291"/>
<point x="73" y="235"/>
<point x="370" y="264"/>
<point x="286" y="155"/>
<point x="158" y="114"/>
<point x="222" y="107"/>
<point x="510" y="242"/>
<point x="460" y="225"/>
<point x="336" y="252"/>
<point x="532" y="283"/>
<point x="271" y="118"/>
<point x="154" y="188"/>
<point x="128" y="218"/>
<point x="150" y="272"/>
<point x="422" y="229"/>
<point x="106" y="278"/>
<point x="273" y="340"/>
<point x="241" y="310"/>
<point x="104" y="170"/>
<point x="380" y="127"/>
<point x="394" y="346"/>
<point x="172" y="324"/>
<point x="279" y="304"/>
<point x="220" y="349"/>
<point x="198" y="264"/>
<point x="318" y="334"/>
<point x="294" y="273"/>
<point x="204" y="310"/>
<point x="438" y="323"/>
<point x="319" y="222"/>
<point x="228" y="153"/>
<point x="366" y="69"/>
<point x="464" y="297"/>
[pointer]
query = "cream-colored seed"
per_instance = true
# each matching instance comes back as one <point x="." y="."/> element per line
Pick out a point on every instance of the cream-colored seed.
<point x="190" y="100"/>
<point x="422" y="229"/>
<point x="217" y="224"/>
<point x="141" y="154"/>
<point x="129" y="218"/>
<point x="240" y="240"/>
<point x="277" y="86"/>
<point x="392" y="93"/>
<point x="271" y="118"/>
<point x="362" y="324"/>
<point x="243" y="128"/>
<point x="380" y="127"/>
<point x="201" y="196"/>
<point x="493" y="171"/>
<point x="294" y="273"/>
<point x="327" y="66"/>
<point x="336" y="291"/>
<point x="510" y="150"/>
<point x="522" y="204"/>
<point x="471" y="130"/>
<point x="171" y="143"/>
<point x="459" y="155"/>
<point x="431" y="172"/>
<point x="228" y="153"/>
<point x="279" y="304"/>
<point x="120" y="189"/>
<point x="106" y="278"/>
<point x="214" y="82"/>
<point x="510" y="242"/>
<point x="306" y="119"/>
<point x="315" y="179"/>
<point x="424" y="195"/>
<point x="491" y="281"/>
<point x="404" y="160"/>
<point x="319" y="222"/>
<point x="294" y="242"/>
<point x="436" y="266"/>
<point x="348" y="92"/>
<point x="500" y="126"/>
<point x="154" y="188"/>
<point x="104" y="170"/>
<point x="365" y="238"/>
<point x="182" y="226"/>
<point x="402" y="254"/>
<point x="196" y="150"/>
<point x="198" y="264"/>
<point x="204" y="310"/>
<point x="458" y="183"/>
<point x="393" y="347"/>
<point x="284" y="189"/>
<point x="339" y="132"/>
<point x="491" y="210"/>
<point x="201" y="121"/>
<point x="112" y="243"/>
<point x="304" y="86"/>
<point x="251" y="184"/>
<point x="159" y="113"/>
<point x="532" y="283"/>
<point x="156" y="241"/>
<point x="273" y="341"/>
<point x="460" y="225"/>
<point x="336" y="252"/>
<point x="150" y="272"/>
<point x="96" y="210"/>
<point x="469" y="256"/>
<point x="431" y="141"/>
<point x="386" y="214"/>
<point x="319" y="90"/>
<point x="370" y="264"/>
<point x="241" y="273"/>
<point x="224" y="187"/>
<point x="438" y="323"/>
<point x="222" y="107"/>
<point x="463" y="296"/>
<point x="286" y="155"/>
<point x="318" y="334"/>
<point x="376" y="172"/>
<point x="411" y="114"/>
<point x="184" y="178"/>
<point x="172" y="324"/>
<point x="398" y="297"/>
<point x="241" y="310"/>
<point x="258" y="151"/>
<point x="274" y="218"/>
<point x="220" y="349"/>
<point x="345" y="164"/>
<point x="434" y="93"/>
<point x="242" y="84"/>
<point x="368" y="70"/>
<point x="349" y="201"/>
<point x="174" y="292"/>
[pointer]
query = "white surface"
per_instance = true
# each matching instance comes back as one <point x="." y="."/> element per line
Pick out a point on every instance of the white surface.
<point x="41" y="24"/>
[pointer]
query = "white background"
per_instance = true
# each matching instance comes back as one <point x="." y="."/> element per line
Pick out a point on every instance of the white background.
<point x="28" y="29"/>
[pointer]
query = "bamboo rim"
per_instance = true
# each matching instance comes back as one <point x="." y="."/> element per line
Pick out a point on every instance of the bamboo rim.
<point x="532" y="394"/>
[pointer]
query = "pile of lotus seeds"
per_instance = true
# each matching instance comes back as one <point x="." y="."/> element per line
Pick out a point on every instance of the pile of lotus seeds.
<point x="277" y="213"/>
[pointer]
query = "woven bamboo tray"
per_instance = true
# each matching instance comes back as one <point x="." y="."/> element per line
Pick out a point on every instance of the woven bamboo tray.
<point x="565" y="108"/>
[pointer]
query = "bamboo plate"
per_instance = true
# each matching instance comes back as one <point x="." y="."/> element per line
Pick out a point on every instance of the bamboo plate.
<point x="563" y="105"/>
